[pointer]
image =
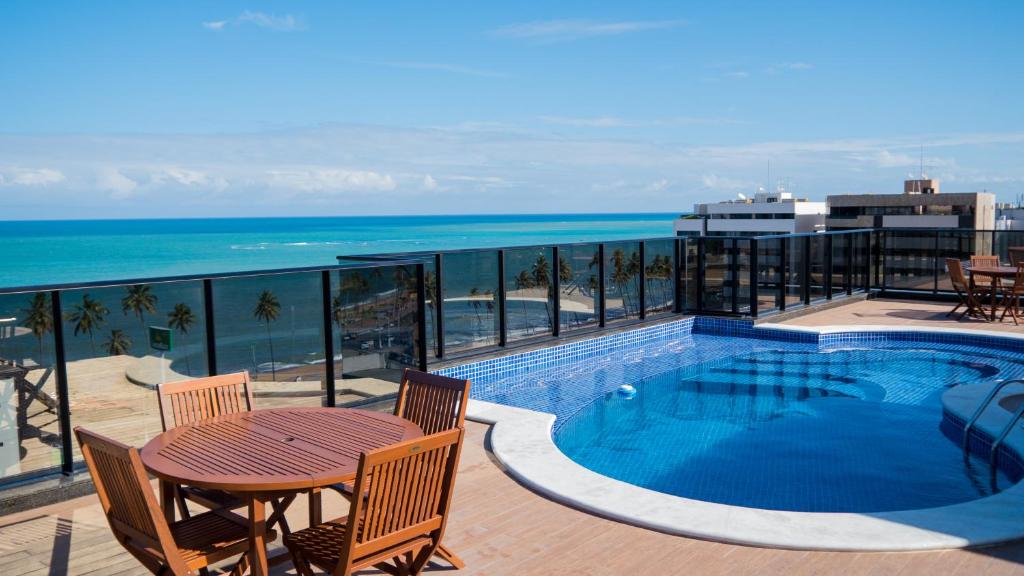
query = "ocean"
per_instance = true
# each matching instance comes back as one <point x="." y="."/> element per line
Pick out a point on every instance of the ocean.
<point x="54" y="252"/>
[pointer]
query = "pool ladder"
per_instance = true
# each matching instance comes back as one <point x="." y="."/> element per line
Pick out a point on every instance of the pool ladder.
<point x="993" y="453"/>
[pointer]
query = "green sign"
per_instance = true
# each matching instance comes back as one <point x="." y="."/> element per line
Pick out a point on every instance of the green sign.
<point x="161" y="338"/>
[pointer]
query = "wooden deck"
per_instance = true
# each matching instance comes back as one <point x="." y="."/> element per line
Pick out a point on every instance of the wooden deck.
<point x="499" y="527"/>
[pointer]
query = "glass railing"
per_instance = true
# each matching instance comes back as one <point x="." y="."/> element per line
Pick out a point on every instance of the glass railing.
<point x="94" y="354"/>
<point x="85" y="354"/>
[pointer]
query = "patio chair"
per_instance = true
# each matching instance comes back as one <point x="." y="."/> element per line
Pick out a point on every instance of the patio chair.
<point x="190" y="401"/>
<point x="408" y="488"/>
<point x="435" y="404"/>
<point x="984" y="261"/>
<point x="1016" y="255"/>
<point x="964" y="290"/>
<point x="1012" y="295"/>
<point x="182" y="548"/>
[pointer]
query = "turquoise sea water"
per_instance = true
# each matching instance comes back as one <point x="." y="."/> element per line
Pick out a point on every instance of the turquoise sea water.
<point x="53" y="252"/>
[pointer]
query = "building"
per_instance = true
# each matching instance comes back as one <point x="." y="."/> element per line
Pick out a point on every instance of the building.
<point x="767" y="213"/>
<point x="920" y="206"/>
<point x="1009" y="217"/>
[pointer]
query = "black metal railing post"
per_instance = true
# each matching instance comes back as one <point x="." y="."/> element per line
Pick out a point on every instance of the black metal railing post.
<point x="827" y="278"/>
<point x="678" y="290"/>
<point x="935" y="265"/>
<point x="329" y="376"/>
<point x="211" y="332"/>
<point x="805" y="280"/>
<point x="421" y="314"/>
<point x="700" y="273"/>
<point x="754" y="276"/>
<point x="67" y="454"/>
<point x="556" y="291"/>
<point x="502" y="312"/>
<point x="734" y="275"/>
<point x="643" y="280"/>
<point x="867" y="237"/>
<point x="848" y="259"/>
<point x="602" y="289"/>
<point x="783" y="273"/>
<point x="439" y="301"/>
<point x="877" y="249"/>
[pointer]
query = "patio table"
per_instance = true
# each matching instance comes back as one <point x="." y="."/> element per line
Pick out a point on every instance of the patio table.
<point x="267" y="454"/>
<point x="995" y="273"/>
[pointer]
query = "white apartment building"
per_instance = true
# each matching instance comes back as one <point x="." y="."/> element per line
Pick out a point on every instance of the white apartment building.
<point x="767" y="213"/>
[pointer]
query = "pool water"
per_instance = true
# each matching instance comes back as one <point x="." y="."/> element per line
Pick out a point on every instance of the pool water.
<point x="773" y="425"/>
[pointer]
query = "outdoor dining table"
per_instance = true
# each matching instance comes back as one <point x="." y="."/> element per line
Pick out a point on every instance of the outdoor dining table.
<point x="995" y="274"/>
<point x="270" y="454"/>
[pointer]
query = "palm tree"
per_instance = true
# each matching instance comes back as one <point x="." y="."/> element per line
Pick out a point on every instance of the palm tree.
<point x="139" y="300"/>
<point x="38" y="319"/>
<point x="430" y="287"/>
<point x="182" y="319"/>
<point x="117" y="344"/>
<point x="473" y="293"/>
<point x="87" y="317"/>
<point x="267" y="310"/>
<point x="524" y="282"/>
<point x="338" y="310"/>
<point x="620" y="276"/>
<point x="633" y="266"/>
<point x="542" y="279"/>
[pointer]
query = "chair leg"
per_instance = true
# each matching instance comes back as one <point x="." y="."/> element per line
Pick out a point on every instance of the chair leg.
<point x="241" y="567"/>
<point x="301" y="565"/>
<point x="417" y="565"/>
<point x="450" y="557"/>
<point x="182" y="504"/>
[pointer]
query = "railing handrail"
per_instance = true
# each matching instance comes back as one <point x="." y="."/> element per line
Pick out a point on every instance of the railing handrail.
<point x="206" y="276"/>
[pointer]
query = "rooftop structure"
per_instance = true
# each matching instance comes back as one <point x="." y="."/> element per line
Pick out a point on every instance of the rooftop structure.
<point x="775" y="212"/>
<point x="920" y="206"/>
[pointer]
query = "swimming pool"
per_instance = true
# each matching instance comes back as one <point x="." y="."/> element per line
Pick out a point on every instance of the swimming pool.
<point x="838" y="430"/>
<point x="827" y="433"/>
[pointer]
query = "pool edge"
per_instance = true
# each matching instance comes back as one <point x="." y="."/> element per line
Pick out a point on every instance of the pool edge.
<point x="521" y="440"/>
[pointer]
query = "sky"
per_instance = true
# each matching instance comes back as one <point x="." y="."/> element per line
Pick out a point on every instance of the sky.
<point x="245" y="108"/>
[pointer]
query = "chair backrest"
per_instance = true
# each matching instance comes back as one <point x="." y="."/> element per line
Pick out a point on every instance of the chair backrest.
<point x="190" y="401"/>
<point x="956" y="273"/>
<point x="408" y="489"/>
<point x="434" y="403"/>
<point x="128" y="501"/>
<point x="1016" y="257"/>
<point x="1018" y="279"/>
<point x="984" y="260"/>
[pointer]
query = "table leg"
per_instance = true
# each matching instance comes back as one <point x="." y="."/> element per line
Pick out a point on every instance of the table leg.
<point x="315" y="507"/>
<point x="257" y="536"/>
<point x="167" y="501"/>
<point x="994" y="282"/>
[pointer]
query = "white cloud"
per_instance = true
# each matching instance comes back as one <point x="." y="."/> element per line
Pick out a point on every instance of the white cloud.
<point x="716" y="182"/>
<point x="574" y="29"/>
<point x="737" y="75"/>
<point x="616" y="122"/>
<point x="30" y="177"/>
<point x="283" y="23"/>
<point x="185" y="177"/>
<point x="112" y="180"/>
<point x="429" y="183"/>
<point x="659" y="185"/>
<point x="330" y="180"/>
<point x="437" y="66"/>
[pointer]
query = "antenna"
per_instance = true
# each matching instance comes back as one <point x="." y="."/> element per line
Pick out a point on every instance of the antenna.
<point x="921" y="156"/>
<point x="768" y="187"/>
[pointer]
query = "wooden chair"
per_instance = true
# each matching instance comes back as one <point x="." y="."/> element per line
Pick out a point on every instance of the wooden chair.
<point x="1012" y="295"/>
<point x="1016" y="255"/>
<point x="984" y="261"/>
<point x="435" y="404"/>
<point x="408" y="488"/>
<point x="964" y="290"/>
<point x="190" y="401"/>
<point x="184" y="547"/>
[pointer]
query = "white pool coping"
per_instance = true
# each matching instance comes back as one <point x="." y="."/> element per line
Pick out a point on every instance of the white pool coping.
<point x="521" y="440"/>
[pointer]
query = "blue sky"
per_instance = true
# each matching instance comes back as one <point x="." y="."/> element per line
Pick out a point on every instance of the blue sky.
<point x="144" y="109"/>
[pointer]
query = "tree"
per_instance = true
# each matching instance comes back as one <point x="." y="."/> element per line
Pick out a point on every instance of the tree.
<point x="524" y="281"/>
<point x="267" y="309"/>
<point x="117" y="344"/>
<point x="473" y="293"/>
<point x="182" y="319"/>
<point x="87" y="316"/>
<point x="542" y="279"/>
<point x="139" y="300"/>
<point x="38" y="319"/>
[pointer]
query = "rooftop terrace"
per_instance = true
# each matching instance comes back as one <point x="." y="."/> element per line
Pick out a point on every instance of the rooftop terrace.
<point x="501" y="527"/>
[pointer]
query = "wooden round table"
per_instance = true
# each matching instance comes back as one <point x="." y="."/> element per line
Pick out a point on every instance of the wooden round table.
<point x="995" y="274"/>
<point x="264" y="454"/>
